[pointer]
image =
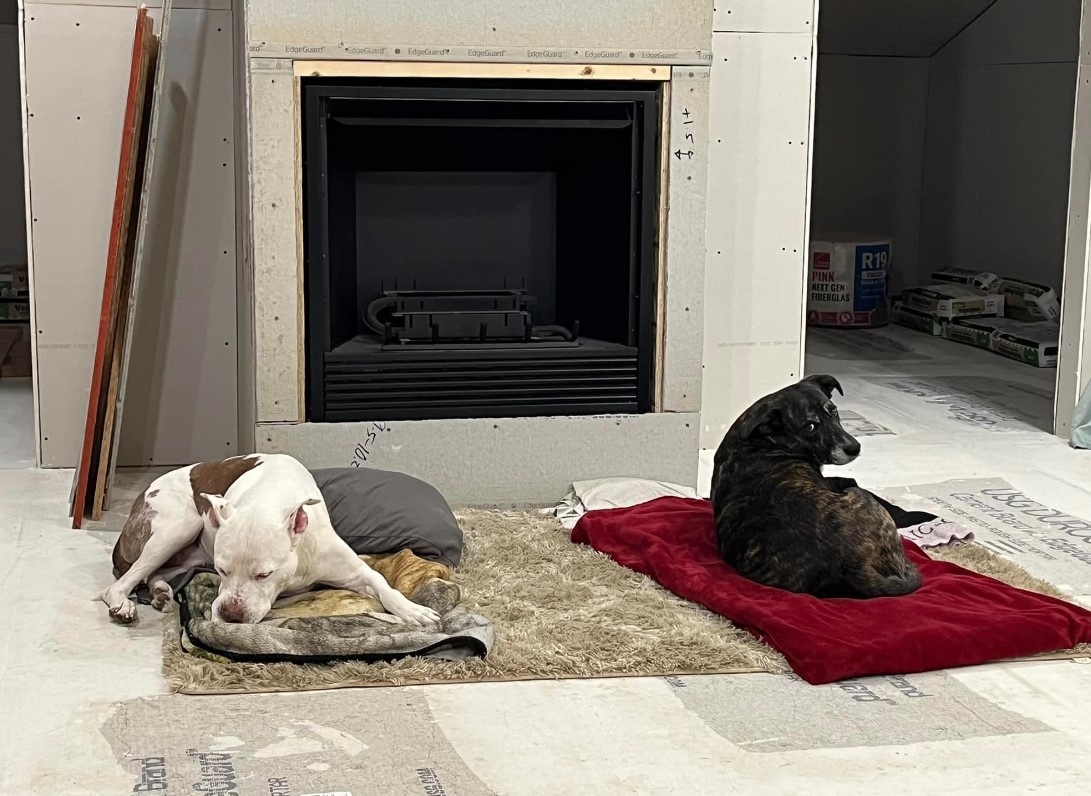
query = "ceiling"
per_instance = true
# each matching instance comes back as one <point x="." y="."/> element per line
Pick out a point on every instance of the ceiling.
<point x="909" y="28"/>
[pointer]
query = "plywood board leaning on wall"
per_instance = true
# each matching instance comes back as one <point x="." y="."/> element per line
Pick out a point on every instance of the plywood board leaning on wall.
<point x="98" y="429"/>
<point x="150" y="179"/>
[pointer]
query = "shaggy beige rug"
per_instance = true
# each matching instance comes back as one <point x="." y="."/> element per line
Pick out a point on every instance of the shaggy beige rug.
<point x="560" y="610"/>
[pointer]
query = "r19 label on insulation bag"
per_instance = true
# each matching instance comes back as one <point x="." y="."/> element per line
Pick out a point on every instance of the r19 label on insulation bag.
<point x="849" y="285"/>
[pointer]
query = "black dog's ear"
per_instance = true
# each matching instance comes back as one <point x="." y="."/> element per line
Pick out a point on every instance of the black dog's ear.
<point x="761" y="420"/>
<point x="826" y="383"/>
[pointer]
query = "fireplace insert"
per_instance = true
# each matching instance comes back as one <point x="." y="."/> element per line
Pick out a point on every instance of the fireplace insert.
<point x="479" y="248"/>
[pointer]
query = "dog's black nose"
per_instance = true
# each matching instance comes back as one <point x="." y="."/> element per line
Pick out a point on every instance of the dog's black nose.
<point x="853" y="448"/>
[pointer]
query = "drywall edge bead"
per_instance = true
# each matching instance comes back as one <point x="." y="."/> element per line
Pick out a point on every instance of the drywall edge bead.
<point x="685" y="239"/>
<point x="440" y="54"/>
<point x="275" y="257"/>
<point x="481" y="70"/>
<point x="247" y="390"/>
<point x="1074" y="348"/>
<point x="504" y="462"/>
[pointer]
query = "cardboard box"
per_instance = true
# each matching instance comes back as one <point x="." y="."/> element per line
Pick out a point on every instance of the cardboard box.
<point x="915" y="319"/>
<point x="1027" y="301"/>
<point x="947" y="301"/>
<point x="982" y="280"/>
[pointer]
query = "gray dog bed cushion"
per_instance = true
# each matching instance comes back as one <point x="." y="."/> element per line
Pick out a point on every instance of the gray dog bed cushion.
<point x="379" y="512"/>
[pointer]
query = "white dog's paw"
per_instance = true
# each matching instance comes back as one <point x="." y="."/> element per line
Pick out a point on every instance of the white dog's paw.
<point x="416" y="614"/>
<point x="124" y="612"/>
<point x="162" y="594"/>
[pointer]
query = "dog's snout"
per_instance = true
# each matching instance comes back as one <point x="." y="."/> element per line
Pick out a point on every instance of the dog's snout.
<point x="233" y="611"/>
<point x="853" y="448"/>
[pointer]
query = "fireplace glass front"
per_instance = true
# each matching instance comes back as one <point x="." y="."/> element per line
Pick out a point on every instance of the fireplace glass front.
<point x="479" y="248"/>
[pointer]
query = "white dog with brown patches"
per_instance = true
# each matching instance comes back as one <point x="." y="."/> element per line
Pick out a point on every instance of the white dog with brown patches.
<point x="261" y="522"/>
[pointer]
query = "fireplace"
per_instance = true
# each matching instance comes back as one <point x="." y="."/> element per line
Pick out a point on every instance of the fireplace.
<point x="479" y="248"/>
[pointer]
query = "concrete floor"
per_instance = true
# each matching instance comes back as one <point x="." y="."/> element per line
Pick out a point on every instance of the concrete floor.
<point x="16" y="423"/>
<point x="77" y="693"/>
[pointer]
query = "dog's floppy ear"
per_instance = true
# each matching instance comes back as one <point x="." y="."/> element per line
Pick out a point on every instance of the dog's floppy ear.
<point x="766" y="418"/>
<point x="825" y="383"/>
<point x="219" y="510"/>
<point x="297" y="518"/>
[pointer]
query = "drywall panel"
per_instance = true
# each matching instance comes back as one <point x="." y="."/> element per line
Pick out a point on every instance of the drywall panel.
<point x="685" y="235"/>
<point x="186" y="352"/>
<point x="759" y="177"/>
<point x="180" y="391"/>
<point x="502" y="463"/>
<point x="13" y="236"/>
<point x="621" y="31"/>
<point x="900" y="28"/>
<point x="274" y="208"/>
<point x="869" y="152"/>
<point x="764" y="16"/>
<point x="1074" y="366"/>
<point x="75" y="106"/>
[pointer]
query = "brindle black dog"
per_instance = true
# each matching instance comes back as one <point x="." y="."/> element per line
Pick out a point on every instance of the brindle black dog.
<point x="781" y="523"/>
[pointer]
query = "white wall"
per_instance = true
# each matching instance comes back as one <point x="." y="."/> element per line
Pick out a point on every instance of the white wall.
<point x="869" y="151"/>
<point x="12" y="208"/>
<point x="997" y="159"/>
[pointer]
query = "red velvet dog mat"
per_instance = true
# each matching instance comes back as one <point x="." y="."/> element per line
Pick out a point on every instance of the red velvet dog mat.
<point x="956" y="618"/>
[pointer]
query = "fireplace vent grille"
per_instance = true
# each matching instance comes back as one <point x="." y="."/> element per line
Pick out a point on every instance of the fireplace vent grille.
<point x="484" y="381"/>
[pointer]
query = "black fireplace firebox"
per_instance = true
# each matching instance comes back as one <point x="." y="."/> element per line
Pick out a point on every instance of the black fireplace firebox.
<point x="479" y="248"/>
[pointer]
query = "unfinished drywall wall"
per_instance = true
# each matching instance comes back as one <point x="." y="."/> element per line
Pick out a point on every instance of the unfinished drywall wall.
<point x="869" y="151"/>
<point x="501" y="462"/>
<point x="685" y="238"/>
<point x="760" y="127"/>
<point x="12" y="208"/>
<point x="619" y="31"/>
<point x="997" y="158"/>
<point x="181" y="397"/>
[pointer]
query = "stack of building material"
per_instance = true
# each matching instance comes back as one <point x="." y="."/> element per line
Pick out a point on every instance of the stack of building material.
<point x="1011" y="317"/>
